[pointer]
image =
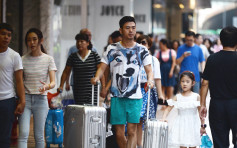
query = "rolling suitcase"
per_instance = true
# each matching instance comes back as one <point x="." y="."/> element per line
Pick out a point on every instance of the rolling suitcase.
<point x="155" y="132"/>
<point x="54" y="128"/>
<point x="85" y="126"/>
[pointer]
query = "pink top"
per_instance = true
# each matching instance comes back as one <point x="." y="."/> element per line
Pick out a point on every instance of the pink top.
<point x="217" y="48"/>
<point x="165" y="54"/>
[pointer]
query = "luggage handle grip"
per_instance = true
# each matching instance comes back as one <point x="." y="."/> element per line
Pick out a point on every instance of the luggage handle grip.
<point x="98" y="93"/>
<point x="95" y="119"/>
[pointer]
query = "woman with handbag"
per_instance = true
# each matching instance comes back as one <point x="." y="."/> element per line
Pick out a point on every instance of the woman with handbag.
<point x="146" y="41"/>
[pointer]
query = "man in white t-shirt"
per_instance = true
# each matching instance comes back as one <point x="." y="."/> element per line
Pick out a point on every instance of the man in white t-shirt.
<point x="199" y="42"/>
<point x="206" y="54"/>
<point x="125" y="60"/>
<point x="10" y="71"/>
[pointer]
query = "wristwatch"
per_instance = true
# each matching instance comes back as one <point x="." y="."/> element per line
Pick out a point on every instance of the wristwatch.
<point x="203" y="125"/>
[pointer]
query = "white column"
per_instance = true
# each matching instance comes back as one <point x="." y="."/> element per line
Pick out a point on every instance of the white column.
<point x="142" y="14"/>
<point x="4" y="11"/>
<point x="84" y="17"/>
<point x="46" y="24"/>
<point x="104" y="19"/>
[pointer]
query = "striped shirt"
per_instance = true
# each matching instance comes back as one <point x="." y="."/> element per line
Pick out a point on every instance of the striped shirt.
<point x="36" y="69"/>
<point x="83" y="71"/>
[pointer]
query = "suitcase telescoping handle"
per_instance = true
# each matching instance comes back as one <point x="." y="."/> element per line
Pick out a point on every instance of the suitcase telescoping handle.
<point x="98" y="93"/>
<point x="148" y="103"/>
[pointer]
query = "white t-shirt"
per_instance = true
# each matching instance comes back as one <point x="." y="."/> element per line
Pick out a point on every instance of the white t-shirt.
<point x="125" y="66"/>
<point x="205" y="51"/>
<point x="10" y="61"/>
<point x="36" y="69"/>
<point x="155" y="69"/>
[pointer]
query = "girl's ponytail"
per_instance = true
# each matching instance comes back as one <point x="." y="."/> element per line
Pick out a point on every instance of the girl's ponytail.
<point x="42" y="49"/>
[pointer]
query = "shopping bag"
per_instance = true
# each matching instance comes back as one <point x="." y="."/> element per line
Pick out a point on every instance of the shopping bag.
<point x="67" y="99"/>
<point x="206" y="142"/>
<point x="54" y="100"/>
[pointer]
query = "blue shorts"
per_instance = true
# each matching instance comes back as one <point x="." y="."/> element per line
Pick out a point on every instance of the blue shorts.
<point x="125" y="110"/>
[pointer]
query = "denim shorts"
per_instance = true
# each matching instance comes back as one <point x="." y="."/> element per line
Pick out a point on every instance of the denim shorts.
<point x="125" y="110"/>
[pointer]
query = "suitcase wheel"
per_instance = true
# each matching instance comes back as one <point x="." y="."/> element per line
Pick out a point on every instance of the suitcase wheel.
<point x="48" y="145"/>
<point x="60" y="145"/>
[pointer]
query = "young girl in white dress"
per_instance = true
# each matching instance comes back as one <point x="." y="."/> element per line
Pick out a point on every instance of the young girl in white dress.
<point x="186" y="130"/>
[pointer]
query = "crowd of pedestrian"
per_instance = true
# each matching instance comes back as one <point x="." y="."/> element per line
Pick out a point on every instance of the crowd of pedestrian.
<point x="131" y="63"/>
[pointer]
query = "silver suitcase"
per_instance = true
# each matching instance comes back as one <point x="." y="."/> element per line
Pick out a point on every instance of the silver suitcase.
<point x="85" y="126"/>
<point x="156" y="132"/>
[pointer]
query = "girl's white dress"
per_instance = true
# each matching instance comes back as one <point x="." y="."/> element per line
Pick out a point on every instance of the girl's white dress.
<point x="186" y="127"/>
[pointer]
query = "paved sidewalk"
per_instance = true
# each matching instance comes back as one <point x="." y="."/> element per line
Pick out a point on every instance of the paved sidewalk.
<point x="31" y="140"/>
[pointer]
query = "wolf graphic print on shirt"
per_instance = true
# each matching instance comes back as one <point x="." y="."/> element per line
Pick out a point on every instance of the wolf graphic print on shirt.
<point x="125" y="65"/>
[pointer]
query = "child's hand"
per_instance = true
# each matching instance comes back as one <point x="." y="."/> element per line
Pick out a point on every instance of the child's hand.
<point x="202" y="131"/>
